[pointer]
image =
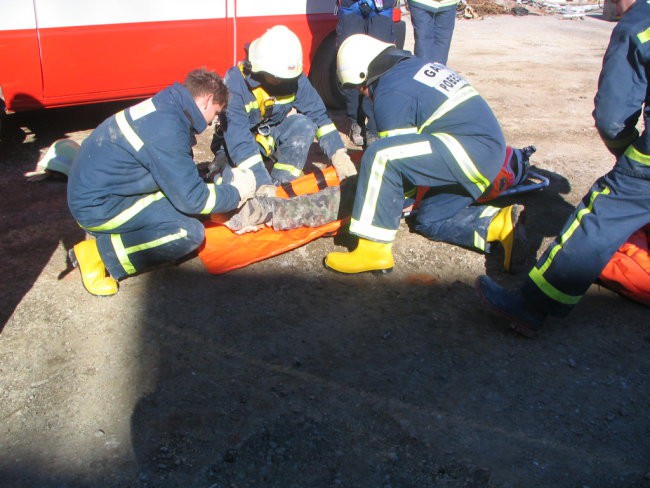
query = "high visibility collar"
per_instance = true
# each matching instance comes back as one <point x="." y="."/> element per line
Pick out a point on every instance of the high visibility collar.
<point x="245" y="68"/>
<point x="265" y="102"/>
<point x="266" y="99"/>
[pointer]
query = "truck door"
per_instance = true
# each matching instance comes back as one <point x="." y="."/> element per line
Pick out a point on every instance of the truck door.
<point x="94" y="51"/>
<point x="310" y="20"/>
<point x="20" y="74"/>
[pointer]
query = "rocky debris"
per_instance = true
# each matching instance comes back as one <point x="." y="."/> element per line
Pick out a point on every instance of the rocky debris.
<point x="476" y="9"/>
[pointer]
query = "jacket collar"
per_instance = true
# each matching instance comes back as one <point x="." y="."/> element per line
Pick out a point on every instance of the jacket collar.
<point x="189" y="107"/>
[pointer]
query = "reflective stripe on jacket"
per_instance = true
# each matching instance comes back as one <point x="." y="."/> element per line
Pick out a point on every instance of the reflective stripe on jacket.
<point x="420" y="97"/>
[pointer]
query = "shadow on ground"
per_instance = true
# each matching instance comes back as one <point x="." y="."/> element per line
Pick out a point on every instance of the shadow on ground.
<point x="35" y="216"/>
<point x="290" y="380"/>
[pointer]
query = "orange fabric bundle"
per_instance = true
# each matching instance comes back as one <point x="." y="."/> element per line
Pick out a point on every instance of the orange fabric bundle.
<point x="224" y="251"/>
<point x="628" y="272"/>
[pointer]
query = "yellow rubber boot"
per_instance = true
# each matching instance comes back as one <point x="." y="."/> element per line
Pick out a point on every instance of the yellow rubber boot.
<point x="93" y="272"/>
<point x="507" y="228"/>
<point x="368" y="256"/>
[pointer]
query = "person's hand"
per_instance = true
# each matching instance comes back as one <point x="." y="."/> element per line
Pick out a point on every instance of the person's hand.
<point x="244" y="180"/>
<point x="267" y="190"/>
<point x="343" y="164"/>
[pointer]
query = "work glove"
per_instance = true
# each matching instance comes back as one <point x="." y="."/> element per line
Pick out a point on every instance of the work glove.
<point x="343" y="164"/>
<point x="244" y="180"/>
<point x="267" y="190"/>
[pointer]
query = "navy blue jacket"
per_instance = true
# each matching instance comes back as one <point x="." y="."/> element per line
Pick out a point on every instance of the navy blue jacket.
<point x="416" y="96"/>
<point x="243" y="115"/>
<point x="143" y="150"/>
<point x="623" y="89"/>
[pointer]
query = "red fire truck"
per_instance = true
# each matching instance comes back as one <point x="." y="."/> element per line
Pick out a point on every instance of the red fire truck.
<point x="57" y="53"/>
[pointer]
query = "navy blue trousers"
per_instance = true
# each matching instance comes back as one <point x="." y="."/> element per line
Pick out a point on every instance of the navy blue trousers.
<point x="292" y="139"/>
<point x="617" y="205"/>
<point x="448" y="212"/>
<point x="433" y="32"/>
<point x="157" y="234"/>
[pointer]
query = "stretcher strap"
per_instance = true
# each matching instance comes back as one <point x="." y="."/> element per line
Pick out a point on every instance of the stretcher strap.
<point x="321" y="183"/>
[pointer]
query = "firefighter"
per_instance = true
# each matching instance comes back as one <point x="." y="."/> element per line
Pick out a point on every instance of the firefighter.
<point x="617" y="204"/>
<point x="435" y="131"/>
<point x="257" y="127"/>
<point x="135" y="187"/>
<point x="375" y="18"/>
<point x="433" y="27"/>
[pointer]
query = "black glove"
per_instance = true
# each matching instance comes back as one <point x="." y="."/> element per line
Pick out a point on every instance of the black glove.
<point x="366" y="9"/>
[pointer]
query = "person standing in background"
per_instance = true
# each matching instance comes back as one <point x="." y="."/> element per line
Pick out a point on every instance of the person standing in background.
<point x="433" y="26"/>
<point x="374" y="18"/>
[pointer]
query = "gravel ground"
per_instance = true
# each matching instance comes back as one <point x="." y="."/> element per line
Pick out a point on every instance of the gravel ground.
<point x="283" y="374"/>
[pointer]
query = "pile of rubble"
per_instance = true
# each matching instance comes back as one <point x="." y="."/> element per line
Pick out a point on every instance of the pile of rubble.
<point x="476" y="9"/>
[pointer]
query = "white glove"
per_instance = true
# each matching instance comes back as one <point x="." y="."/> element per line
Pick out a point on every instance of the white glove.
<point x="343" y="164"/>
<point x="267" y="190"/>
<point x="244" y="181"/>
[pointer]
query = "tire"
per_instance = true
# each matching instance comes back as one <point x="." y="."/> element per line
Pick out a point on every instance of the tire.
<point x="323" y="68"/>
<point x="323" y="74"/>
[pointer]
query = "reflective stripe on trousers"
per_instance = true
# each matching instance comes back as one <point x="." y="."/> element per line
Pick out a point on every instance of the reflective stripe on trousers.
<point x="616" y="206"/>
<point x="157" y="234"/>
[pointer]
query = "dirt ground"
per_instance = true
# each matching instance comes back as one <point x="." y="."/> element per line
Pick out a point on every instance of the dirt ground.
<point x="284" y="374"/>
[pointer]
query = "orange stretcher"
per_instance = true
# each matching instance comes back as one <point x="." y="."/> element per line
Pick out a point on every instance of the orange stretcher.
<point x="223" y="250"/>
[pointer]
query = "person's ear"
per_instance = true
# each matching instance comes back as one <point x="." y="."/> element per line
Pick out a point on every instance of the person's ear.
<point x="208" y="100"/>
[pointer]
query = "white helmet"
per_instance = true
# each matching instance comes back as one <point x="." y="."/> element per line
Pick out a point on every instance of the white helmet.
<point x="58" y="158"/>
<point x="277" y="52"/>
<point x="354" y="57"/>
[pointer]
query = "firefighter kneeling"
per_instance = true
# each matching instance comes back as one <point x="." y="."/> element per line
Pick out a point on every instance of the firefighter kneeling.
<point x="259" y="128"/>
<point x="135" y="188"/>
<point x="437" y="132"/>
